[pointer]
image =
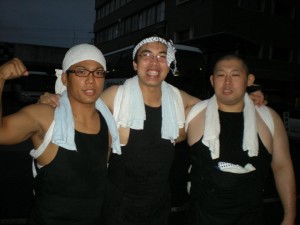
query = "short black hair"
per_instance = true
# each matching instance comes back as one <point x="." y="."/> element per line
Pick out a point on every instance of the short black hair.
<point x="234" y="57"/>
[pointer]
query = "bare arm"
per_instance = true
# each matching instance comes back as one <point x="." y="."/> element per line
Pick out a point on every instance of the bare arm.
<point x="283" y="171"/>
<point x="188" y="100"/>
<point x="182" y="135"/>
<point x="108" y="96"/>
<point x="19" y="126"/>
<point x="10" y="70"/>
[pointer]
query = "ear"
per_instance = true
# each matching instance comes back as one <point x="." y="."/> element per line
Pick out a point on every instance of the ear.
<point x="64" y="79"/>
<point x="134" y="65"/>
<point x="211" y="80"/>
<point x="250" y="80"/>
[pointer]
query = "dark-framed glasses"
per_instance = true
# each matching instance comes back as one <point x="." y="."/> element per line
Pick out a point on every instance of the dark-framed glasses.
<point x="147" y="56"/>
<point x="100" y="73"/>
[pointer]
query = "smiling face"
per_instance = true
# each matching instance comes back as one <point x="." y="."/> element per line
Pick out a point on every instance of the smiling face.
<point x="151" y="71"/>
<point x="230" y="80"/>
<point x="84" y="89"/>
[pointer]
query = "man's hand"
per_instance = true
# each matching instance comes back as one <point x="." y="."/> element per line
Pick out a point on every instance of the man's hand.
<point x="13" y="69"/>
<point x="258" y="98"/>
<point x="49" y="99"/>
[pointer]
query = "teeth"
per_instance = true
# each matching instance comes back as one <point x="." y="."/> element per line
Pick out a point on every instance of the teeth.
<point x="152" y="72"/>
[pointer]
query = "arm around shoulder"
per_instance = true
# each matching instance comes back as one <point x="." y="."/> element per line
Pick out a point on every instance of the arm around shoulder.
<point x="188" y="100"/>
<point x="108" y="96"/>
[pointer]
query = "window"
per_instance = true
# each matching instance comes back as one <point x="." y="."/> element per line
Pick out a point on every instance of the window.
<point x="109" y="7"/>
<point x="179" y="2"/>
<point x="252" y="50"/>
<point x="183" y="35"/>
<point x="256" y="5"/>
<point x="281" y="54"/>
<point x="283" y="8"/>
<point x="151" y="16"/>
<point x="140" y="20"/>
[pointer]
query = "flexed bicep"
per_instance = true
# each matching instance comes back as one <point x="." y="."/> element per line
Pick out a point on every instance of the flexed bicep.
<point x="17" y="127"/>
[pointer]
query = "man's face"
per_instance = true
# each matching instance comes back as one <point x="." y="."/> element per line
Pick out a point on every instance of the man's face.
<point x="152" y="70"/>
<point x="230" y="81"/>
<point x="84" y="89"/>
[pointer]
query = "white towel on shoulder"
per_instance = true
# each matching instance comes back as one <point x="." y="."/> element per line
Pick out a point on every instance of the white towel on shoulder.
<point x="212" y="126"/>
<point x="129" y="108"/>
<point x="64" y="134"/>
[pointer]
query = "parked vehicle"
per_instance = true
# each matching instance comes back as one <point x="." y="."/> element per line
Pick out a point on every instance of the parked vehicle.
<point x="28" y="89"/>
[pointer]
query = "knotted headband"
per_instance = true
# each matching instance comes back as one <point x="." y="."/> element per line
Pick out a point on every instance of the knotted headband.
<point x="170" y="50"/>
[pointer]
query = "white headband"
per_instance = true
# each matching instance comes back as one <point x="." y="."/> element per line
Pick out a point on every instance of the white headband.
<point x="77" y="54"/>
<point x="170" y="50"/>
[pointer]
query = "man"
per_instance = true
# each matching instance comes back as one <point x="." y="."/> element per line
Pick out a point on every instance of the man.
<point x="71" y="142"/>
<point x="233" y="145"/>
<point x="150" y="115"/>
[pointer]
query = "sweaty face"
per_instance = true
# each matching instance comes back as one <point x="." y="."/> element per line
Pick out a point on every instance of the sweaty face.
<point x="230" y="81"/>
<point x="151" y="65"/>
<point x="84" y="89"/>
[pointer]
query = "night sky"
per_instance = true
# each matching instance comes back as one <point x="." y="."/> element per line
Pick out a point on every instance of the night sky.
<point x="59" y="23"/>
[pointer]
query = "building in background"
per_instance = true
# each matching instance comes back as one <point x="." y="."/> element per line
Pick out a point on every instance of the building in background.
<point x="41" y="62"/>
<point x="265" y="32"/>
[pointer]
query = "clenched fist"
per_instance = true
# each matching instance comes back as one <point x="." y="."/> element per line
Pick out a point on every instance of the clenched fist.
<point x="13" y="69"/>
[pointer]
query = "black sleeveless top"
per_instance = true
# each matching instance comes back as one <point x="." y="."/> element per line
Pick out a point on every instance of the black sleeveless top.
<point x="71" y="189"/>
<point x="139" y="178"/>
<point x="223" y="197"/>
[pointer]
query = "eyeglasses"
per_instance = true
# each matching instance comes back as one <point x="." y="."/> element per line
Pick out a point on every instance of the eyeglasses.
<point x="86" y="73"/>
<point x="147" y="56"/>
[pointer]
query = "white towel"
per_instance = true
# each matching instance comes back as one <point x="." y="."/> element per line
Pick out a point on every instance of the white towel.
<point x="63" y="134"/>
<point x="212" y="128"/>
<point x="234" y="168"/>
<point x="129" y="108"/>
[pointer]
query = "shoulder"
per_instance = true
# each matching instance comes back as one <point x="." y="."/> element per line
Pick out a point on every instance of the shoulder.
<point x="39" y="112"/>
<point x="34" y="109"/>
<point x="188" y="100"/>
<point x="110" y="90"/>
<point x="195" y="112"/>
<point x="268" y="113"/>
<point x="272" y="118"/>
<point x="278" y="122"/>
<point x="108" y="95"/>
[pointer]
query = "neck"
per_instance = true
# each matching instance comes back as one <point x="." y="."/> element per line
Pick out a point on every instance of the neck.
<point x="231" y="108"/>
<point x="83" y="110"/>
<point x="152" y="95"/>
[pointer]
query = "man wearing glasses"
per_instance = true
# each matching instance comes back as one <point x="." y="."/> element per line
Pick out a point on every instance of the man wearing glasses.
<point x="150" y="116"/>
<point x="71" y="142"/>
